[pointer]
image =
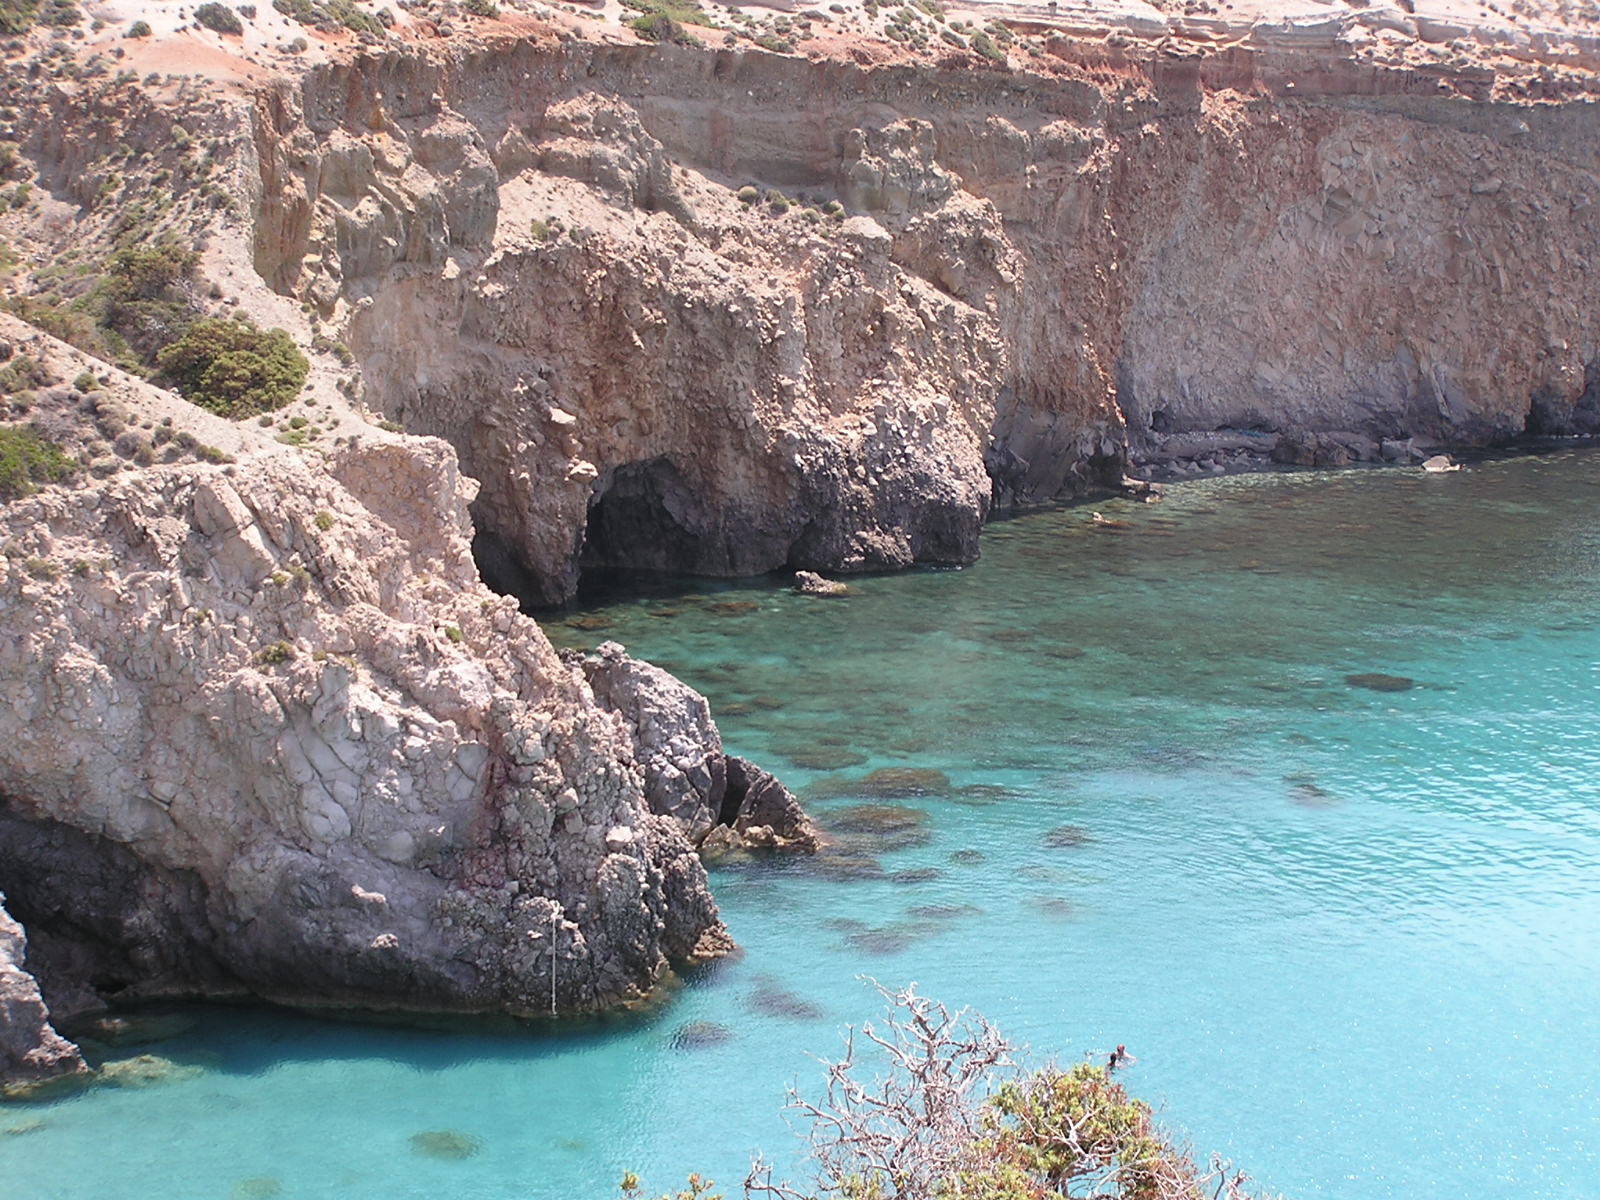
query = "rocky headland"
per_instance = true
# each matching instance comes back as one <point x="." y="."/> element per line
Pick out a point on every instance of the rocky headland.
<point x="811" y="290"/>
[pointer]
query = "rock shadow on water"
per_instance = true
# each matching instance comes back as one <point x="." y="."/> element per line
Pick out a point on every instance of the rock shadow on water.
<point x="449" y="1145"/>
<point x="700" y="1035"/>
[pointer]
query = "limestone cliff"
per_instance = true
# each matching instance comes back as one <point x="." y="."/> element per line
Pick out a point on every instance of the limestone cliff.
<point x="986" y="285"/>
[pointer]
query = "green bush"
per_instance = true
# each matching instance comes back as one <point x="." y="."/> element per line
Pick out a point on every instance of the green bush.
<point x="275" y="655"/>
<point x="27" y="460"/>
<point x="749" y="194"/>
<point x="150" y="272"/>
<point x="218" y="18"/>
<point x="139" y="29"/>
<point x="233" y="369"/>
<point x="23" y="374"/>
<point x="481" y="8"/>
<point x="16" y="16"/>
<point x="985" y="45"/>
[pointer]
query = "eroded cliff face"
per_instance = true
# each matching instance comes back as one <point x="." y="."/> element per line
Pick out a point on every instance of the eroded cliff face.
<point x="538" y="252"/>
<point x="267" y="734"/>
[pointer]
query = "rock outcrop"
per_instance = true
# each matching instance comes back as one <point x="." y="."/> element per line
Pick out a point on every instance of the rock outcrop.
<point x="31" y="1051"/>
<point x="267" y="734"/>
<point x="687" y="776"/>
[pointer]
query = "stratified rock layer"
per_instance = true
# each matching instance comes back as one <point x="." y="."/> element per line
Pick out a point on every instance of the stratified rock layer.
<point x="266" y="733"/>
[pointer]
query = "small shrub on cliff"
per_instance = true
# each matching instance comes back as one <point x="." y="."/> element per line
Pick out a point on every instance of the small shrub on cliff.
<point x="139" y="29"/>
<point x="985" y="45"/>
<point x="218" y="18"/>
<point x="664" y="20"/>
<point x="233" y="369"/>
<point x="275" y="655"/>
<point x="481" y="8"/>
<point x="749" y="194"/>
<point x="28" y="460"/>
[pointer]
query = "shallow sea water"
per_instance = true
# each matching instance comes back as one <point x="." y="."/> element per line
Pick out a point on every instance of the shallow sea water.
<point x="1353" y="936"/>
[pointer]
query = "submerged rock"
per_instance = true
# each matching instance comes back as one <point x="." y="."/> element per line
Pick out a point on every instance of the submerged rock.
<point x="773" y="1001"/>
<point x="896" y="782"/>
<point x="823" y="758"/>
<point x="448" y="1144"/>
<point x="1067" y="837"/>
<point x="1376" y="681"/>
<point x="135" y="1029"/>
<point x="147" y="1071"/>
<point x="259" y="1187"/>
<point x="698" y="1035"/>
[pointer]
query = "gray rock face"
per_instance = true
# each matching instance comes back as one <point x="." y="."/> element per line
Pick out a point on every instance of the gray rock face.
<point x="687" y="775"/>
<point x="31" y="1051"/>
<point x="268" y="734"/>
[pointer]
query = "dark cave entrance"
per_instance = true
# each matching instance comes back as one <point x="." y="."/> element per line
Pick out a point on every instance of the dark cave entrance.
<point x="646" y="517"/>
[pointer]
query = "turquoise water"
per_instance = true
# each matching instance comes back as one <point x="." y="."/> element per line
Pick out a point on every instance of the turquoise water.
<point x="1353" y="936"/>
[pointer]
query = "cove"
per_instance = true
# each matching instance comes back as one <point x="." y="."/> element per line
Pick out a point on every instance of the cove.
<point x="1288" y="783"/>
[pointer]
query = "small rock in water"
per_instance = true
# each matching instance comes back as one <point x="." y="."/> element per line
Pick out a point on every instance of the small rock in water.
<point x="968" y="858"/>
<point x="1440" y="462"/>
<point x="21" y="1128"/>
<point x="892" y="782"/>
<point x="732" y="608"/>
<point x="259" y="1187"/>
<point x="448" y="1144"/>
<point x="917" y="875"/>
<point x="1376" y="681"/>
<point x="1067" y="837"/>
<point x="809" y="584"/>
<point x="698" y="1035"/>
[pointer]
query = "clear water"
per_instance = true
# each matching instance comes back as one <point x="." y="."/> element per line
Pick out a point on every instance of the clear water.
<point x="1352" y="936"/>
